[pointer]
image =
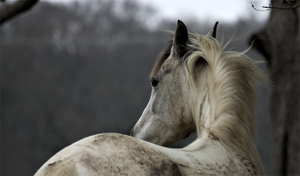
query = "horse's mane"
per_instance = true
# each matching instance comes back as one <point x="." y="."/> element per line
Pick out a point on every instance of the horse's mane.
<point x="232" y="82"/>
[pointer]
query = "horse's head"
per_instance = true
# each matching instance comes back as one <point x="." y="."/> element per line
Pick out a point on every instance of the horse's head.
<point x="169" y="115"/>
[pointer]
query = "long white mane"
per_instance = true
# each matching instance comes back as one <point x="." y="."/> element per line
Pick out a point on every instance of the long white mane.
<point x="231" y="88"/>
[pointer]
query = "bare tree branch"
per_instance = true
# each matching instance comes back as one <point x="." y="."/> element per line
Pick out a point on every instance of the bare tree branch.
<point x="275" y="8"/>
<point x="12" y="10"/>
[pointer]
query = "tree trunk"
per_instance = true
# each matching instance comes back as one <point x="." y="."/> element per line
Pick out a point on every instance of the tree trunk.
<point x="279" y="42"/>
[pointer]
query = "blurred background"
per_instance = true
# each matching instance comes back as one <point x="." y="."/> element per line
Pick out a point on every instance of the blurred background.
<point x="70" y="69"/>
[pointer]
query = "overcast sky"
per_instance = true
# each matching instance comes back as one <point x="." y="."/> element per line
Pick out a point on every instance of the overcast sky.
<point x="215" y="10"/>
<point x="208" y="10"/>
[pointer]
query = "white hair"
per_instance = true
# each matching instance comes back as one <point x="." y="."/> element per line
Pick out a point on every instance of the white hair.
<point x="231" y="82"/>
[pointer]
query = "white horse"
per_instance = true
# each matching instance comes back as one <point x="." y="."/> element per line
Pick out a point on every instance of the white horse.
<point x="196" y="86"/>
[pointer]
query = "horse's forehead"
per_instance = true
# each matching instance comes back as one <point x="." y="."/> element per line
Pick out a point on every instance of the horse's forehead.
<point x="169" y="63"/>
<point x="166" y="66"/>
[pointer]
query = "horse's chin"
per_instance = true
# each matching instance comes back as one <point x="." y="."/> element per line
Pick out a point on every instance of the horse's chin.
<point x="164" y="143"/>
<point x="153" y="140"/>
<point x="167" y="140"/>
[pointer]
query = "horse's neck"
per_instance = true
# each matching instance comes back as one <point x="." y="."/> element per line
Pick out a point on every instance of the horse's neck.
<point x="203" y="112"/>
<point x="221" y="121"/>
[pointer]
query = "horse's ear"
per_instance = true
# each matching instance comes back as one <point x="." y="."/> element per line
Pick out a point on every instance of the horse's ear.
<point x="180" y="39"/>
<point x="213" y="32"/>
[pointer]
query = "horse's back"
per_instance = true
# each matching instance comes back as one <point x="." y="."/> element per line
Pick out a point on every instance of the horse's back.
<point x="116" y="154"/>
<point x="109" y="154"/>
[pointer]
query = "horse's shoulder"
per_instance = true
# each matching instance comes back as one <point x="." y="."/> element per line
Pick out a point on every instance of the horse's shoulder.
<point x="213" y="159"/>
<point x="111" y="153"/>
<point x="236" y="164"/>
<point x="246" y="165"/>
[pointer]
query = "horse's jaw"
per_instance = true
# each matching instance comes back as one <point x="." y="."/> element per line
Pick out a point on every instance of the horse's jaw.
<point x="162" y="135"/>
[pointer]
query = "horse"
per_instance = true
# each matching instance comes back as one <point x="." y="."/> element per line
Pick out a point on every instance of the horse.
<point x="197" y="86"/>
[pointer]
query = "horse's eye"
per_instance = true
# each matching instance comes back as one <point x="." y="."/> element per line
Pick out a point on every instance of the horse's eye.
<point x="154" y="82"/>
